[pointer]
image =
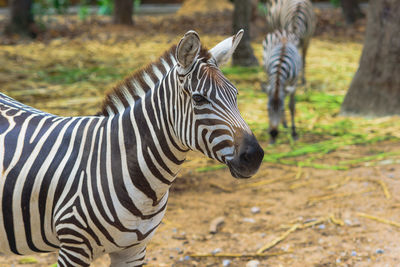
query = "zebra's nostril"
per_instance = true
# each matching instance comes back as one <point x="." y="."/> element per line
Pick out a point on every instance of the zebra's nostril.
<point x="249" y="155"/>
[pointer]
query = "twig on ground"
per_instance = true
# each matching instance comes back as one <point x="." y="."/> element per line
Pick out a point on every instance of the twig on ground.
<point x="385" y="189"/>
<point x="279" y="239"/>
<point x="368" y="216"/>
<point x="221" y="187"/>
<point x="233" y="255"/>
<point x="310" y="224"/>
<point x="265" y="182"/>
<point x="335" y="220"/>
<point x="298" y="226"/>
<point x="381" y="183"/>
<point x="299" y="184"/>
<point x="215" y="224"/>
<point x="339" y="184"/>
<point x="299" y="173"/>
<point x="315" y="199"/>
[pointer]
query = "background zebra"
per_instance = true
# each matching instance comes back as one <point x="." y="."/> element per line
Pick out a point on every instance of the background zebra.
<point x="88" y="186"/>
<point x="282" y="63"/>
<point x="295" y="16"/>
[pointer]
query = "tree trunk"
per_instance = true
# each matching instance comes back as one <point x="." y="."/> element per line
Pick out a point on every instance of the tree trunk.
<point x="243" y="55"/>
<point x="123" y="11"/>
<point x="375" y="89"/>
<point x="351" y="10"/>
<point x="21" y="21"/>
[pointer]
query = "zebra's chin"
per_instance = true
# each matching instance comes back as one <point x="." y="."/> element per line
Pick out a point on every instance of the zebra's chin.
<point x="243" y="172"/>
<point x="236" y="173"/>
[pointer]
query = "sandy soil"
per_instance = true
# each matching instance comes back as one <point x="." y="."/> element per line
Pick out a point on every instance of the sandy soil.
<point x="323" y="213"/>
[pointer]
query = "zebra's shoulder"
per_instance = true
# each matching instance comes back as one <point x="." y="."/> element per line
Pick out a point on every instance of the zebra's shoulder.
<point x="10" y="103"/>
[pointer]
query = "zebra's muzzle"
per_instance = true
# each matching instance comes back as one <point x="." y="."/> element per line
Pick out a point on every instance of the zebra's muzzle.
<point x="248" y="158"/>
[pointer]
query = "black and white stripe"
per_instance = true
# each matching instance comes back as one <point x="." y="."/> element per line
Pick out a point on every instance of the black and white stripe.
<point x="88" y="186"/>
<point x="282" y="64"/>
<point x="294" y="16"/>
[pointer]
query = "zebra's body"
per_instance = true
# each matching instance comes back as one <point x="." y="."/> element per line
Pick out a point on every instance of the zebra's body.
<point x="88" y="186"/>
<point x="74" y="177"/>
<point x="294" y="16"/>
<point x="282" y="64"/>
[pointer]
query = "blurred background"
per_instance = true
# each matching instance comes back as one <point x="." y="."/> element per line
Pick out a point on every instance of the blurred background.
<point x="331" y="198"/>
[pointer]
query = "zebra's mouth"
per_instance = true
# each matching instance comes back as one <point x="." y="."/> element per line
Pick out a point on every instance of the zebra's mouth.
<point x="235" y="173"/>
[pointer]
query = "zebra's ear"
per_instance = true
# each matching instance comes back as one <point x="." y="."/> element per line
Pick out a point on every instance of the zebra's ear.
<point x="223" y="51"/>
<point x="188" y="49"/>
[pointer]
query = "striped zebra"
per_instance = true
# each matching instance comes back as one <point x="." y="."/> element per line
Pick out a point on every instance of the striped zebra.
<point x="295" y="16"/>
<point x="94" y="185"/>
<point x="282" y="64"/>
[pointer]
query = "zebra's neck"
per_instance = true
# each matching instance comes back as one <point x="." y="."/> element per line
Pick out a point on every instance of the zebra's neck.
<point x="148" y="139"/>
<point x="137" y="85"/>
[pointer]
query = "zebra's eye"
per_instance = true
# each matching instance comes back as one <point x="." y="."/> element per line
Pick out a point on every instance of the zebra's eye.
<point x="199" y="99"/>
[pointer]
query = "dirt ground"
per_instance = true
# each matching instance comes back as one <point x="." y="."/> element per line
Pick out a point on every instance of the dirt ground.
<point x="309" y="217"/>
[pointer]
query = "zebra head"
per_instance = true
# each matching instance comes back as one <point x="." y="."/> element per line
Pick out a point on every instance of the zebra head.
<point x="215" y="126"/>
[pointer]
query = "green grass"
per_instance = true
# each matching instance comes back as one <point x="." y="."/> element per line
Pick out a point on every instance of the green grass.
<point x="28" y="260"/>
<point x="68" y="75"/>
<point x="242" y="72"/>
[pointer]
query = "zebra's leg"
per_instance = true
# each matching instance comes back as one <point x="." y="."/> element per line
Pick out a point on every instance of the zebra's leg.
<point x="292" y="113"/>
<point x="304" y="49"/>
<point x="70" y="256"/>
<point x="284" y="122"/>
<point x="72" y="232"/>
<point x="129" y="257"/>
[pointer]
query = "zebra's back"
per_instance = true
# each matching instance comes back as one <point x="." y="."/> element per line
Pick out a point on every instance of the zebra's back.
<point x="281" y="58"/>
<point x="296" y="16"/>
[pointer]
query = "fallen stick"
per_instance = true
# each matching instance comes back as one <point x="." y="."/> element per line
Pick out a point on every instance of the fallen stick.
<point x="299" y="173"/>
<point x="336" y="221"/>
<point x="385" y="189"/>
<point x="316" y="199"/>
<point x="368" y="216"/>
<point x="233" y="255"/>
<point x="279" y="239"/>
<point x="222" y="188"/>
<point x="297" y="226"/>
<point x="265" y="182"/>
<point x="320" y="220"/>
<point x="299" y="184"/>
<point x="339" y="184"/>
<point x="215" y="224"/>
<point x="381" y="183"/>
